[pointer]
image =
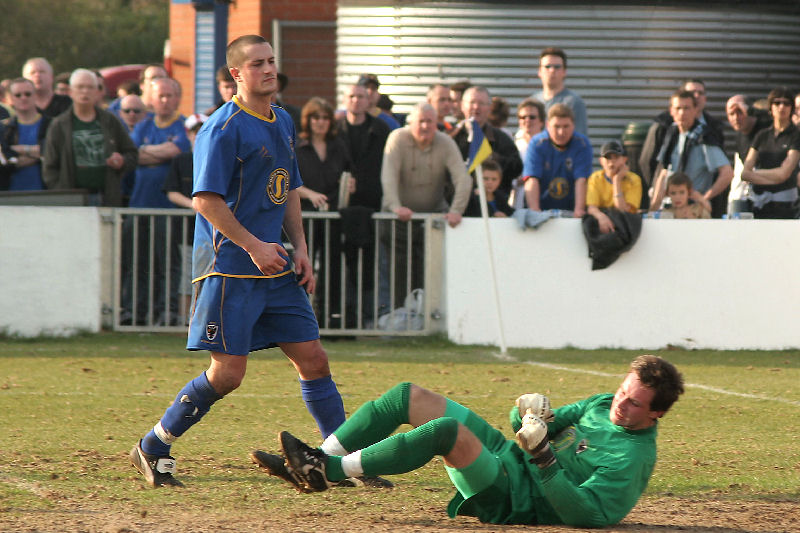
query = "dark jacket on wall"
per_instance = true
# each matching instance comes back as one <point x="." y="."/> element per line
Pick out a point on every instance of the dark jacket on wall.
<point x="605" y="248"/>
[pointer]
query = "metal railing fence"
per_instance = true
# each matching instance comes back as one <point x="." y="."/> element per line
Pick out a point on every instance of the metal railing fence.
<point x="375" y="275"/>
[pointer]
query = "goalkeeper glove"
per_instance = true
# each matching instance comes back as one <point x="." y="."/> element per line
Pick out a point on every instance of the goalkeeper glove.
<point x="538" y="404"/>
<point x="532" y="438"/>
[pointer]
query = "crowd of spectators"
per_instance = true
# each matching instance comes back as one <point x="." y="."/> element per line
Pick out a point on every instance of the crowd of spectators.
<point x="57" y="132"/>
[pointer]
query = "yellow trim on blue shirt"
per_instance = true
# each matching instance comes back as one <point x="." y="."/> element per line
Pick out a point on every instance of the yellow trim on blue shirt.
<point x="251" y="112"/>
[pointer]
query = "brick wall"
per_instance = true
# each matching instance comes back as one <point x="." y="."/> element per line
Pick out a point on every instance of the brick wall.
<point x="308" y="57"/>
<point x="181" y="42"/>
<point x="309" y="60"/>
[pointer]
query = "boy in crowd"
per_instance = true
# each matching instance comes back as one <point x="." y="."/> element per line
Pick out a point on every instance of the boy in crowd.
<point x="679" y="190"/>
<point x="496" y="198"/>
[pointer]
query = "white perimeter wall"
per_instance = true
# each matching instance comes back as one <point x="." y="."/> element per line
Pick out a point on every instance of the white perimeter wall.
<point x="719" y="284"/>
<point x="49" y="270"/>
<point x="696" y="283"/>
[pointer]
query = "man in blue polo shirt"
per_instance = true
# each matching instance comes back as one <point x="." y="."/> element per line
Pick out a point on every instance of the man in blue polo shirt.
<point x="557" y="164"/>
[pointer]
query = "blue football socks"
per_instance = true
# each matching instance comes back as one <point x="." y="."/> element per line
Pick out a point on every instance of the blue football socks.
<point x="192" y="402"/>
<point x="324" y="402"/>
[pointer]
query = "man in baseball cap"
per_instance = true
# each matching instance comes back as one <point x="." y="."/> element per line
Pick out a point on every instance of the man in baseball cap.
<point x="615" y="186"/>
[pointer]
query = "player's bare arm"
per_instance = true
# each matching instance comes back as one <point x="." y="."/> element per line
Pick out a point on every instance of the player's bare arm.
<point x="293" y="226"/>
<point x="269" y="257"/>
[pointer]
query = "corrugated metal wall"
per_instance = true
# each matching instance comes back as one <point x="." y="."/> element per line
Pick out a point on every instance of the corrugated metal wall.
<point x="623" y="60"/>
<point x="205" y="85"/>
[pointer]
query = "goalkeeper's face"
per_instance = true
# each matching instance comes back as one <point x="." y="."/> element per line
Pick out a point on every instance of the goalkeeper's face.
<point x="631" y="405"/>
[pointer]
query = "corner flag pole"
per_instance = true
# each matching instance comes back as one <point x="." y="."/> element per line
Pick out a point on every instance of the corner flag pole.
<point x="485" y="217"/>
<point x="478" y="141"/>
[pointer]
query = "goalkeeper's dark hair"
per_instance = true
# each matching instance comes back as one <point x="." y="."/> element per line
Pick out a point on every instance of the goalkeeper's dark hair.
<point x="661" y="376"/>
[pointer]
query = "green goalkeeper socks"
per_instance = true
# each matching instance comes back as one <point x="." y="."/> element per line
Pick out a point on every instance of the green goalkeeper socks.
<point x="375" y="420"/>
<point x="403" y="452"/>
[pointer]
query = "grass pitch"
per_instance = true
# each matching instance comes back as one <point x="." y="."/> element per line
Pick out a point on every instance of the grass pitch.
<point x="70" y="411"/>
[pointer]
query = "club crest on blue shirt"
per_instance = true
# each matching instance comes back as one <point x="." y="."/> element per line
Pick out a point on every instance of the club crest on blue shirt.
<point x="211" y="331"/>
<point x="558" y="188"/>
<point x="278" y="186"/>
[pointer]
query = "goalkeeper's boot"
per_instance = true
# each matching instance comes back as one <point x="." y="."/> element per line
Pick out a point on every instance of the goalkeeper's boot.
<point x="275" y="465"/>
<point x="307" y="463"/>
<point x="156" y="470"/>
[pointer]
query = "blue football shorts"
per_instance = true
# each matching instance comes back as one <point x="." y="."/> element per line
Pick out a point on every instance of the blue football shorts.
<point x="240" y="315"/>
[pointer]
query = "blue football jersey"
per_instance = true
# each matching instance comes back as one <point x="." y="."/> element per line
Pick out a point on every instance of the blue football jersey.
<point x="148" y="186"/>
<point x="557" y="169"/>
<point x="249" y="160"/>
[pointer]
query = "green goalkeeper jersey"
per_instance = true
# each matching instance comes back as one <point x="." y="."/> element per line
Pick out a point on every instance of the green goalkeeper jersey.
<point x="600" y="473"/>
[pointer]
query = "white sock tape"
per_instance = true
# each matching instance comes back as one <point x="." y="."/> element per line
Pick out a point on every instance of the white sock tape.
<point x="351" y="464"/>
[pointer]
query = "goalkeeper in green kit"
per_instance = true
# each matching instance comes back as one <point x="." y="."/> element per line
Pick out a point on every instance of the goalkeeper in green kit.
<point x="584" y="464"/>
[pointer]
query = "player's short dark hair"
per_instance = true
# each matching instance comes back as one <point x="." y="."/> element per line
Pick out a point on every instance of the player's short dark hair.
<point x="493" y="165"/>
<point x="662" y="377"/>
<point x="223" y="74"/>
<point x="553" y="51"/>
<point x="234" y="54"/>
<point x="678" y="179"/>
<point x="779" y="93"/>
<point x="681" y="94"/>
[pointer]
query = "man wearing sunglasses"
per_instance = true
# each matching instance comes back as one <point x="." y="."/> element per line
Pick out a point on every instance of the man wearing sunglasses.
<point x="553" y="72"/>
<point x="131" y="111"/>
<point x="22" y="136"/>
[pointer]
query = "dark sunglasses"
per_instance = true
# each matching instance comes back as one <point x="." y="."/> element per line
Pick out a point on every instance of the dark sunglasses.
<point x="20" y="95"/>
<point x="787" y="103"/>
<point x="528" y="117"/>
<point x="131" y="110"/>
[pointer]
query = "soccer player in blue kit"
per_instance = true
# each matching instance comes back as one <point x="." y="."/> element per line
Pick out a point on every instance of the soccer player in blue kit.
<point x="248" y="294"/>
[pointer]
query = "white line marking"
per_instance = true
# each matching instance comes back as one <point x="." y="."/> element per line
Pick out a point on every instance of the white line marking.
<point x="687" y="385"/>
